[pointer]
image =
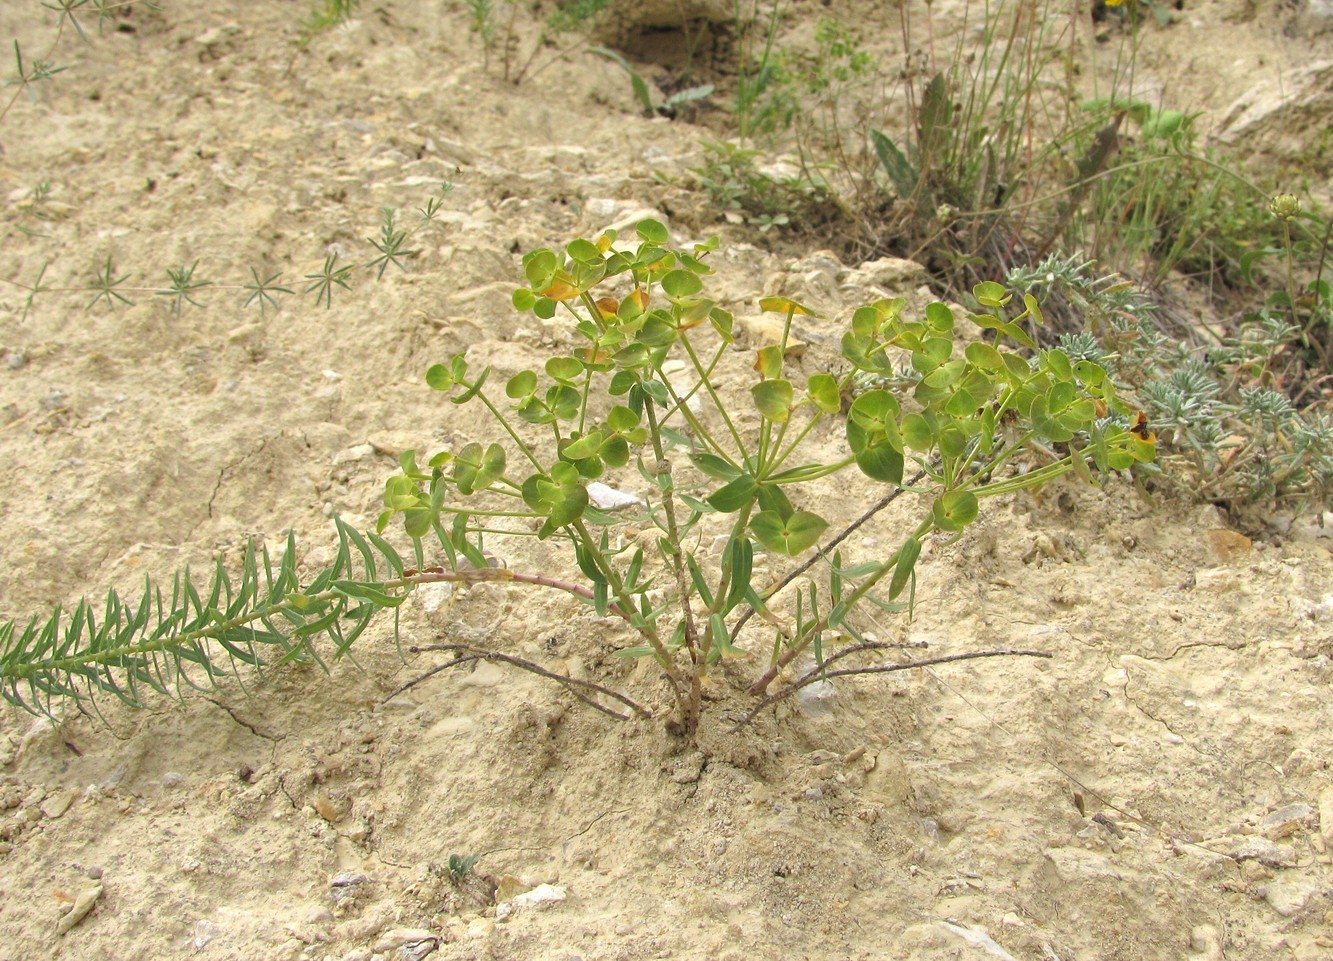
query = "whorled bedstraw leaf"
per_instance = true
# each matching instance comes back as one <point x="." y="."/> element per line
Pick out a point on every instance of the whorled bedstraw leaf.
<point x="473" y="388"/>
<point x="615" y="450"/>
<point x="1034" y="309"/>
<point x="621" y="419"/>
<point x="564" y="401"/>
<point x="539" y="266"/>
<point x="722" y="322"/>
<point x="961" y="405"/>
<point x="934" y="352"/>
<point x="789" y="537"/>
<point x="739" y="555"/>
<point x="633" y="306"/>
<point x="774" y="499"/>
<point x="865" y="322"/>
<point x="881" y="462"/>
<point x="1046" y="423"/>
<point x="561" y="288"/>
<point x="1089" y="374"/>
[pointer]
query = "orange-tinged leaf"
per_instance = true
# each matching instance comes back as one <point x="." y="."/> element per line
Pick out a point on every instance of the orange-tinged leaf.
<point x="591" y="357"/>
<point x="784" y="305"/>
<point x="768" y="361"/>
<point x="560" y="290"/>
<point x="608" y="306"/>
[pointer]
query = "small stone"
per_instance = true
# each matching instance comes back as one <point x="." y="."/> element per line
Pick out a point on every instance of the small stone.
<point x="1253" y="872"/>
<point x="1326" y="815"/>
<point x="542" y="896"/>
<point x="1227" y="545"/>
<point x="1076" y="864"/>
<point x="403" y="937"/>
<point x="216" y="35"/>
<point x="509" y="887"/>
<point x="1205" y="940"/>
<point x="244" y="332"/>
<point x="609" y="499"/>
<point x="319" y="915"/>
<point x="57" y="804"/>
<point x="1289" y="892"/>
<point x="890" y="273"/>
<point x="816" y="699"/>
<point x="1216" y="580"/>
<point x="352" y="454"/>
<point x="479" y="929"/>
<point x="1262" y="850"/>
<point x="79" y="909"/>
<point x="766" y="330"/>
<point x="1285" y="821"/>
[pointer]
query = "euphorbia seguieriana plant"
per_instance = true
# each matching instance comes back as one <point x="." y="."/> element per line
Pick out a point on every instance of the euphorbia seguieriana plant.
<point x="639" y="309"/>
<point x="638" y="387"/>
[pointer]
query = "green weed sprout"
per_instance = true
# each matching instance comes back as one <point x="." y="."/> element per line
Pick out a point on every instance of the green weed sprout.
<point x="460" y="867"/>
<point x="637" y="310"/>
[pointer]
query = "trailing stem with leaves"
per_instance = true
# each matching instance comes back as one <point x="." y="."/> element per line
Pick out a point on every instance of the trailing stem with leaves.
<point x="639" y="388"/>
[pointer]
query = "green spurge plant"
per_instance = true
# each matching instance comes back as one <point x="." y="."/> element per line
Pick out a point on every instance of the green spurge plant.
<point x="639" y="315"/>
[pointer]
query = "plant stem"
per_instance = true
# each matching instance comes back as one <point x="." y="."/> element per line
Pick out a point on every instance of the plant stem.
<point x="467" y="653"/>
<point x="798" y="645"/>
<point x="820" y="673"/>
<point x="662" y="470"/>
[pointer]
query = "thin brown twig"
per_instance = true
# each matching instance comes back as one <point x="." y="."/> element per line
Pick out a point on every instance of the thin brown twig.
<point x="820" y="673"/>
<point x="466" y="654"/>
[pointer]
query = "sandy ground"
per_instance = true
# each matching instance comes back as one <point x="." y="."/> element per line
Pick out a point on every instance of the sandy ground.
<point x="1160" y="788"/>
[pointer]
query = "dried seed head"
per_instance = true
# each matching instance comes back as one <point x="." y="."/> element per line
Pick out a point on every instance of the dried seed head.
<point x="1285" y="206"/>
